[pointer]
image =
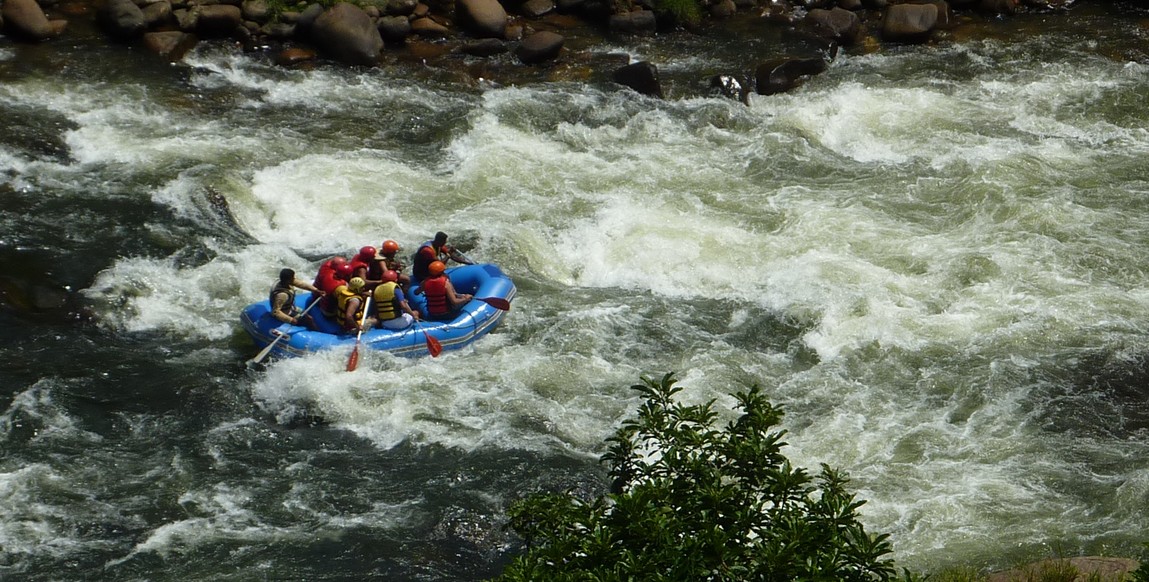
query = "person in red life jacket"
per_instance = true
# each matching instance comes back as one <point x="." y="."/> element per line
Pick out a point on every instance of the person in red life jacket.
<point x="282" y="299"/>
<point x="433" y="250"/>
<point x="443" y="303"/>
<point x="391" y="307"/>
<point x="352" y="298"/>
<point x="366" y="266"/>
<point x="332" y="273"/>
<point x="389" y="260"/>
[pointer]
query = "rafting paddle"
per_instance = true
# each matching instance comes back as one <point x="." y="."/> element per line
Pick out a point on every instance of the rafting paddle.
<point x="267" y="349"/>
<point x="433" y="345"/>
<point x="496" y="302"/>
<point x="353" y="361"/>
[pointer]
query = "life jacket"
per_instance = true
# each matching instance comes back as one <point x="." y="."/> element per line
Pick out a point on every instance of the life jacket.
<point x="327" y="282"/>
<point x="360" y="264"/>
<point x="435" y="289"/>
<point x="289" y="307"/>
<point x="342" y="296"/>
<point x="420" y="261"/>
<point x="387" y="302"/>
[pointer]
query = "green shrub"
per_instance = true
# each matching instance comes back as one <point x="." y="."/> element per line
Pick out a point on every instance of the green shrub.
<point x="695" y="502"/>
<point x="682" y="11"/>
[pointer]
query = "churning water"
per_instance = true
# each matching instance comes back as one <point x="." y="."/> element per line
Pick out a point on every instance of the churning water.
<point x="935" y="258"/>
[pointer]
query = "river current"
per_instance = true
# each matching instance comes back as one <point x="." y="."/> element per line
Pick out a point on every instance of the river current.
<point x="933" y="257"/>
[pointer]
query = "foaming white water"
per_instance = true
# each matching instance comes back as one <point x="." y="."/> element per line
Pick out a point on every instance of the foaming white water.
<point x="943" y="250"/>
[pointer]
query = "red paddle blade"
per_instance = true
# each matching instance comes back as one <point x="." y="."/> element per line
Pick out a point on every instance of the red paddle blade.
<point x="434" y="346"/>
<point x="496" y="302"/>
<point x="353" y="361"/>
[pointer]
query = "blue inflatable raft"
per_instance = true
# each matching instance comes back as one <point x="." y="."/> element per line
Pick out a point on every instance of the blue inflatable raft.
<point x="476" y="319"/>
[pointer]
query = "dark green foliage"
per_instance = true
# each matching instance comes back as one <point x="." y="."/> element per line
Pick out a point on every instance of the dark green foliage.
<point x="1141" y="574"/>
<point x="682" y="11"/>
<point x="696" y="502"/>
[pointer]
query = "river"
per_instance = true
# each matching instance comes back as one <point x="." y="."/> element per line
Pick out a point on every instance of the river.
<point x="933" y="257"/>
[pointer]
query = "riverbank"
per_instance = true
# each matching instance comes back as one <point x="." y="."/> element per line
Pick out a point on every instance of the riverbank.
<point x="515" y="42"/>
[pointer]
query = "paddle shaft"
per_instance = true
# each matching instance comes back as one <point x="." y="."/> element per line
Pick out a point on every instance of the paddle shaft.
<point x="353" y="360"/>
<point x="267" y="349"/>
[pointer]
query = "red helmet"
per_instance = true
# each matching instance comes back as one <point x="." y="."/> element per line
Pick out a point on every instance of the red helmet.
<point x="336" y="261"/>
<point x="390" y="247"/>
<point x="436" y="268"/>
<point x="367" y="253"/>
<point x="390" y="275"/>
<point x="344" y="271"/>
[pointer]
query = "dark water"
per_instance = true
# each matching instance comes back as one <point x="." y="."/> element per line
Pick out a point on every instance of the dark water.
<point x="932" y="256"/>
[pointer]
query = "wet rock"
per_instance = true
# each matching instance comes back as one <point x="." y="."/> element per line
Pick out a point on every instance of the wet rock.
<point x="909" y="22"/>
<point x="481" y="18"/>
<point x="122" y="19"/>
<point x="484" y="47"/>
<point x="171" y="45"/>
<point x="428" y="28"/>
<point x="641" y="76"/>
<point x="219" y="20"/>
<point x="837" y="25"/>
<point x="729" y="87"/>
<point x="278" y="30"/>
<point x="540" y="47"/>
<point x="346" y="33"/>
<point x="638" y="22"/>
<point x="294" y="56"/>
<point x="783" y="74"/>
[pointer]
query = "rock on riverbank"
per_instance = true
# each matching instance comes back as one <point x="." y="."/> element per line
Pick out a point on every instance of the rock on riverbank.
<point x="532" y="31"/>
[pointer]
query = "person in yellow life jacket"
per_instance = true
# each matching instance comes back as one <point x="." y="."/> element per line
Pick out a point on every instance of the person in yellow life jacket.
<point x="351" y="299"/>
<point x="443" y="303"/>
<point x="391" y="307"/>
<point x="282" y="299"/>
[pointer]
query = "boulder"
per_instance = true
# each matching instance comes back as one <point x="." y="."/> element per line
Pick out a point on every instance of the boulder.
<point x="428" y="28"/>
<point x="909" y="22"/>
<point x="122" y="19"/>
<point x="278" y="30"/>
<point x="157" y="13"/>
<point x="394" y="29"/>
<point x="837" y="25"/>
<point x="25" y="19"/>
<point x="218" y="20"/>
<point x="540" y="47"/>
<point x="400" y="7"/>
<point x="783" y="74"/>
<point x="723" y="9"/>
<point x="306" y="20"/>
<point x="639" y="22"/>
<point x="170" y="45"/>
<point x="481" y="18"/>
<point x="641" y="76"/>
<point x="537" y="8"/>
<point x="257" y="10"/>
<point x="346" y="33"/>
